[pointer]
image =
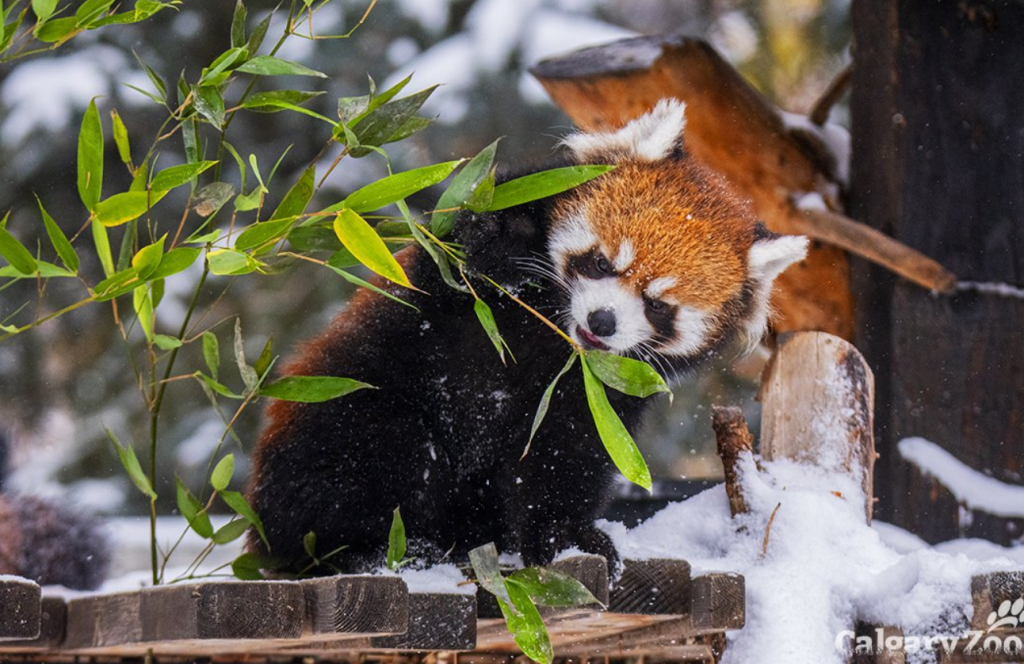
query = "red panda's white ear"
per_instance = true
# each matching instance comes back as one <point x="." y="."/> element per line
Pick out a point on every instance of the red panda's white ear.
<point x="650" y="137"/>
<point x="770" y="256"/>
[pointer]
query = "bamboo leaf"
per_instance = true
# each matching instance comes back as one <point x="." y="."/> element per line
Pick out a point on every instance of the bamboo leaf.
<point x="625" y="374"/>
<point x="192" y="510"/>
<point x="548" y="587"/>
<point x="360" y="238"/>
<point x="123" y="207"/>
<point x="102" y="242"/>
<point x="462" y="188"/>
<point x="130" y="463"/>
<point x="486" y="318"/>
<point x="237" y="502"/>
<point x="295" y="201"/>
<point x="230" y="262"/>
<point x="16" y="254"/>
<point x="148" y="259"/>
<point x="266" y="65"/>
<point x="247" y="373"/>
<point x="616" y="439"/>
<point x="223" y="472"/>
<point x="396" y="541"/>
<point x="175" y="176"/>
<point x="311" y="389"/>
<point x="60" y="241"/>
<point x="277" y="100"/>
<point x="353" y="279"/>
<point x="395" y="187"/>
<point x="487" y="569"/>
<point x="527" y="627"/>
<point x="545" y="403"/>
<point x="175" y="261"/>
<point x="238" y="25"/>
<point x="211" y="352"/>
<point x="165" y="342"/>
<point x="541" y="185"/>
<point x="230" y="531"/>
<point x="121" y="139"/>
<point x="248" y="566"/>
<point x="90" y="157"/>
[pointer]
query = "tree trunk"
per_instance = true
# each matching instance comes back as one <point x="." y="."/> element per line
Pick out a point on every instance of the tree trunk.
<point x="938" y="163"/>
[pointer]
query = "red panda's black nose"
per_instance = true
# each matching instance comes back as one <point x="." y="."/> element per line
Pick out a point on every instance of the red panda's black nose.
<point x="602" y="322"/>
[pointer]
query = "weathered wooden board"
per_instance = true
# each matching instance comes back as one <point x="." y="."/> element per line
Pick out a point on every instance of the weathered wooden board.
<point x="19" y="609"/>
<point x="817" y="397"/>
<point x="437" y="622"/>
<point x="989" y="592"/>
<point x="53" y="622"/>
<point x="659" y="587"/>
<point x="353" y="605"/>
<point x="719" y="602"/>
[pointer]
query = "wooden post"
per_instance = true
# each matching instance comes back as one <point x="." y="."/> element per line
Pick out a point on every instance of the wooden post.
<point x="817" y="398"/>
<point x="938" y="152"/>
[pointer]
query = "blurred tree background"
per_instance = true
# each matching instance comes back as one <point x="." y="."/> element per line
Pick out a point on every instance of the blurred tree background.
<point x="61" y="383"/>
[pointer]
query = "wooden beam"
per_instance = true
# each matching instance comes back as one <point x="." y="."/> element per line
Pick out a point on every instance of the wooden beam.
<point x="817" y="397"/>
<point x="659" y="587"/>
<point x="990" y="591"/>
<point x="436" y="622"/>
<point x="20" y="603"/>
<point x="53" y="622"/>
<point x="719" y="602"/>
<point x="354" y="605"/>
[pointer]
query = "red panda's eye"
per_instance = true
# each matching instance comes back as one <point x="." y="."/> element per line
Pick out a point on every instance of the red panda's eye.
<point x="603" y="265"/>
<point x="655" y="305"/>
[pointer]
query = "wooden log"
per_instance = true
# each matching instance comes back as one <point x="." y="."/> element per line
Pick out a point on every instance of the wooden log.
<point x="990" y="592"/>
<point x="730" y="128"/>
<point x="53" y="622"/>
<point x="437" y="621"/>
<point x="938" y="92"/>
<point x="817" y="396"/>
<point x="734" y="439"/>
<point x="660" y="587"/>
<point x="188" y="612"/>
<point x="351" y="605"/>
<point x="20" y="603"/>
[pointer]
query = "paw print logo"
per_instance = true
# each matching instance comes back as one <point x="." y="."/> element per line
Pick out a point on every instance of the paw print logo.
<point x="1007" y="615"/>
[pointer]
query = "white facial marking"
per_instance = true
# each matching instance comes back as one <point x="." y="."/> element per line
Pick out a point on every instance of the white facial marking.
<point x="631" y="325"/>
<point x="659" y="286"/>
<point x="691" y="327"/>
<point x="572" y="236"/>
<point x="651" y="137"/>
<point x="625" y="257"/>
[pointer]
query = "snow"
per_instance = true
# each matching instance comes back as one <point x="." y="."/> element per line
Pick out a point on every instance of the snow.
<point x="441" y="579"/>
<point x="835" y="138"/>
<point x="992" y="288"/>
<point x="734" y="36"/>
<point x="811" y="201"/>
<point x="973" y="489"/>
<point x="824" y="568"/>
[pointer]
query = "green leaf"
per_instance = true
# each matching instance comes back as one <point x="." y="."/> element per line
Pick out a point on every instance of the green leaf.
<point x="205" y="238"/>
<point x="123" y="207"/>
<point x="486" y="318"/>
<point x="154" y="78"/>
<point x="266" y="65"/>
<point x="175" y="176"/>
<point x="57" y="30"/>
<point x="193" y="511"/>
<point x="408" y="128"/>
<point x="141" y="179"/>
<point x="461" y="190"/>
<point x="59" y="240"/>
<point x="209" y="103"/>
<point x="526" y="625"/>
<point x="143" y="305"/>
<point x="548" y="587"/>
<point x="265" y="359"/>
<point x="237" y="502"/>
<point x="396" y="541"/>
<point x="396" y="187"/>
<point x="353" y="279"/>
<point x="311" y="389"/>
<point x="238" y="25"/>
<point x="295" y="201"/>
<point x="16" y="254"/>
<point x="165" y="342"/>
<point x="625" y="374"/>
<point x="360" y="238"/>
<point x="148" y="259"/>
<point x="90" y="157"/>
<point x="545" y="402"/>
<point x="314" y="238"/>
<point x="230" y="531"/>
<point x="380" y="124"/>
<point x="130" y="462"/>
<point x="211" y="352"/>
<point x="227" y="60"/>
<point x="43" y="269"/>
<point x="121" y="138"/>
<point x="102" y="242"/>
<point x="275" y="100"/>
<point x="309" y="544"/>
<point x="223" y="472"/>
<point x="230" y="262"/>
<point x="617" y="441"/>
<point x="483" y="194"/>
<point x="262" y="234"/>
<point x="248" y="566"/>
<point x="486" y="567"/>
<point x="43" y="9"/>
<point x="116" y="285"/>
<point x="541" y="185"/>
<point x="175" y="261"/>
<point x="219" y="388"/>
<point x="91" y="10"/>
<point x="256" y="38"/>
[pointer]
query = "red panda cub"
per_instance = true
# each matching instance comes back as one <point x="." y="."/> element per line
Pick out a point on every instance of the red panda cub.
<point x="656" y="260"/>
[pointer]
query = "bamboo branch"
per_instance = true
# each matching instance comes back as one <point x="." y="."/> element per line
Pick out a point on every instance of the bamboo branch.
<point x="733" y="439"/>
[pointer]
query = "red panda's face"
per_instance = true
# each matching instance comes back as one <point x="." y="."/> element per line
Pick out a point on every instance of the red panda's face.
<point x="658" y="258"/>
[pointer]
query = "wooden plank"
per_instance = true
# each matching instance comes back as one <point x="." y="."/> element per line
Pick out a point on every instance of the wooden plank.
<point x="437" y="621"/>
<point x="20" y="614"/>
<point x="730" y="127"/>
<point x="572" y="630"/>
<point x="53" y="621"/>
<point x="188" y="612"/>
<point x="817" y="396"/>
<point x="356" y="604"/>
<point x="659" y="587"/>
<point x="1004" y="645"/>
